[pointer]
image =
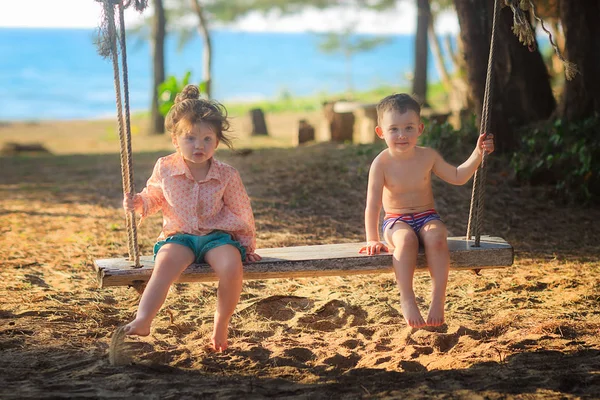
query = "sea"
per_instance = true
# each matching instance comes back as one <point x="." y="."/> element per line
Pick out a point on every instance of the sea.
<point x="57" y="74"/>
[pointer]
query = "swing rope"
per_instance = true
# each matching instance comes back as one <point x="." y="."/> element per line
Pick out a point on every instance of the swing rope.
<point x="107" y="45"/>
<point x="477" y="195"/>
<point x="523" y="30"/>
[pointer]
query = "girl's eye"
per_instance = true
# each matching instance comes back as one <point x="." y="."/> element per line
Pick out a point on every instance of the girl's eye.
<point x="207" y="139"/>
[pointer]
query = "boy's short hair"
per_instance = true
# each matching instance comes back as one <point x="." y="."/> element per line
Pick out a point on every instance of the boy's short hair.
<point x="400" y="102"/>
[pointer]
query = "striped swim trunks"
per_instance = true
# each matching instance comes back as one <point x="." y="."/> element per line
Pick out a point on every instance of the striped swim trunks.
<point x="416" y="221"/>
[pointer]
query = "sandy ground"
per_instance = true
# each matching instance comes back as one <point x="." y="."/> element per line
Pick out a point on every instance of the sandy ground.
<point x="528" y="331"/>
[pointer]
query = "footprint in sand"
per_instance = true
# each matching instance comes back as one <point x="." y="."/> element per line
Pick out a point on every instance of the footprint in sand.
<point x="339" y="361"/>
<point x="295" y="357"/>
<point x="351" y="343"/>
<point x="278" y="308"/>
<point x="257" y="354"/>
<point x="299" y="354"/>
<point x="443" y="339"/>
<point x="178" y="329"/>
<point x="412" y="366"/>
<point x="414" y="351"/>
<point x="333" y="315"/>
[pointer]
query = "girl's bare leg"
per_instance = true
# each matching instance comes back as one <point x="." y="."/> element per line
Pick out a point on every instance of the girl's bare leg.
<point x="172" y="259"/>
<point x="227" y="264"/>
<point x="406" y="248"/>
<point x="435" y="240"/>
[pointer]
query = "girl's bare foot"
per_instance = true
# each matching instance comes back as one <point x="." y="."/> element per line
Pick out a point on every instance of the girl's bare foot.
<point x="436" y="313"/>
<point x="137" y="328"/>
<point x="220" y="333"/>
<point x="411" y="313"/>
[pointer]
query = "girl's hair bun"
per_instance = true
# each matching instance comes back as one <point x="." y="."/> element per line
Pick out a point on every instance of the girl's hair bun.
<point x="188" y="92"/>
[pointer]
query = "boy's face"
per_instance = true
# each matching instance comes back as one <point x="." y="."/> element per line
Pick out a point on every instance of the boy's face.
<point x="400" y="130"/>
<point x="197" y="144"/>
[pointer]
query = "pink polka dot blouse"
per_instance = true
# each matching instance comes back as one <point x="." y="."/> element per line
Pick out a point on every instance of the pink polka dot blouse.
<point x="219" y="202"/>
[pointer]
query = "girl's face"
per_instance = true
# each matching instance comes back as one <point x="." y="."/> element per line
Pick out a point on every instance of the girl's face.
<point x="197" y="144"/>
<point x="400" y="130"/>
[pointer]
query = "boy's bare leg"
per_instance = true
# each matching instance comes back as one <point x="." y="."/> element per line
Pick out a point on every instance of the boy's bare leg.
<point x="227" y="264"/>
<point x="406" y="248"/>
<point x="435" y="240"/>
<point x="172" y="259"/>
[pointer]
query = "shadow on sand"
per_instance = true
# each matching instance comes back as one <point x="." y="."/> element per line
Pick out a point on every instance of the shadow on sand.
<point x="56" y="373"/>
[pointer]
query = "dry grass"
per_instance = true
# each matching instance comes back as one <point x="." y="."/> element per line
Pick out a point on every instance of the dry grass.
<point x="528" y="331"/>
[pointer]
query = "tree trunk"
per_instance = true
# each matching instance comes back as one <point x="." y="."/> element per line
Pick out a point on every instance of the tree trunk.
<point x="157" y="121"/>
<point x="459" y="99"/>
<point x="581" y="24"/>
<point x="521" y="91"/>
<point x="523" y="80"/>
<point x="439" y="57"/>
<point x="207" y="51"/>
<point x="457" y="61"/>
<point x="420" y="73"/>
<point x="350" y="85"/>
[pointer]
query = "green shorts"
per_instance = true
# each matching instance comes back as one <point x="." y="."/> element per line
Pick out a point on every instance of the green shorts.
<point x="200" y="245"/>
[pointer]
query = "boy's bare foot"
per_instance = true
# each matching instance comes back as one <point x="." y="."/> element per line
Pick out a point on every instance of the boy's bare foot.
<point x="411" y="313"/>
<point x="220" y="333"/>
<point x="436" y="313"/>
<point x="137" y="328"/>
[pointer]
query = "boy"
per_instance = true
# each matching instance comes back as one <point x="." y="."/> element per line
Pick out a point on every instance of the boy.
<point x="400" y="179"/>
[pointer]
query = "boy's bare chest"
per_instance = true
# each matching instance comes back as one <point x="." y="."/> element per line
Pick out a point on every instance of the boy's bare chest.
<point x="407" y="176"/>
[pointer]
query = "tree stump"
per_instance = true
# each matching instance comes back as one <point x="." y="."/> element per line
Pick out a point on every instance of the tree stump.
<point x="259" y="125"/>
<point x="366" y="117"/>
<point x="306" y="132"/>
<point x="340" y="125"/>
<point x="12" y="148"/>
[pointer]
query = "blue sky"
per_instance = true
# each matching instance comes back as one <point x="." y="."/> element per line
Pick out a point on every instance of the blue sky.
<point x="86" y="14"/>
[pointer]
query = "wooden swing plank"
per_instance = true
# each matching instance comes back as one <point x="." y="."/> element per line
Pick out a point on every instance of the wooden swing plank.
<point x="314" y="261"/>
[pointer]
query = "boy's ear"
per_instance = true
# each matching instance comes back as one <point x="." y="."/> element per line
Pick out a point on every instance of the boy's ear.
<point x="379" y="131"/>
<point x="421" y="128"/>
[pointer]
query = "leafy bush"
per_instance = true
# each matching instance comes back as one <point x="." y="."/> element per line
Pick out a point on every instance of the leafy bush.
<point x="564" y="155"/>
<point x="167" y="91"/>
<point x="453" y="145"/>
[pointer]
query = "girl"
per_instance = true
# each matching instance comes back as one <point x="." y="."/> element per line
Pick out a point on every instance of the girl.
<point x="206" y="212"/>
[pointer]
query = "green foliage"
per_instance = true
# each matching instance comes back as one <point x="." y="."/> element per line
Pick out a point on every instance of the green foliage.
<point x="348" y="44"/>
<point x="167" y="91"/>
<point x="231" y="10"/>
<point x="453" y="145"/>
<point x="565" y="155"/>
